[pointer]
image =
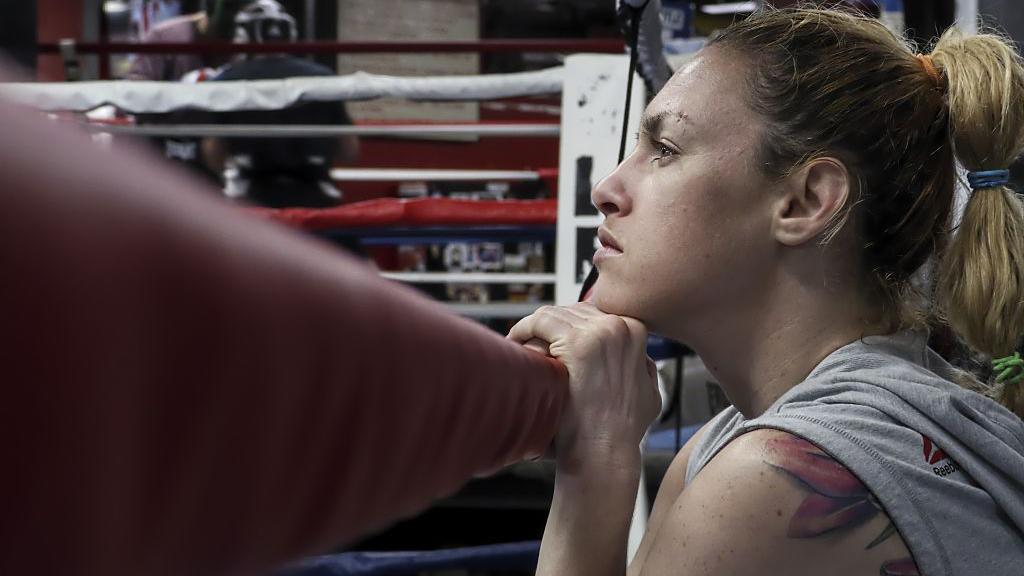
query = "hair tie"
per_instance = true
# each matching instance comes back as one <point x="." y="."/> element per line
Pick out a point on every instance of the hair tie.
<point x="929" y="67"/>
<point x="988" y="179"/>
<point x="1006" y="368"/>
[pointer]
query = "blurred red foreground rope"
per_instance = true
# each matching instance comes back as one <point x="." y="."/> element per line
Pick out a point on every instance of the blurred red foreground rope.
<point x="193" y="390"/>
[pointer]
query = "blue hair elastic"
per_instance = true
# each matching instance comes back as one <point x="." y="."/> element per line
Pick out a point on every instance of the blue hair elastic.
<point x="988" y="179"/>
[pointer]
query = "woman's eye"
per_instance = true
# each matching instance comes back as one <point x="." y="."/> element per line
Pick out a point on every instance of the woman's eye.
<point x="662" y="151"/>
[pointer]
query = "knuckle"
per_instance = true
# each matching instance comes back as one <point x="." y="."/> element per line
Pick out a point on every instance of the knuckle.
<point x="544" y="310"/>
<point x="601" y="333"/>
<point x="636" y="327"/>
<point x="614" y="326"/>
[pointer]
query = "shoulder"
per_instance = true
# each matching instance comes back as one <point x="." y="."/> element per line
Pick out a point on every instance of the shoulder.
<point x="232" y="71"/>
<point x="306" y="67"/>
<point x="283" y="66"/>
<point x="245" y="69"/>
<point x="772" y="498"/>
<point x="273" y="67"/>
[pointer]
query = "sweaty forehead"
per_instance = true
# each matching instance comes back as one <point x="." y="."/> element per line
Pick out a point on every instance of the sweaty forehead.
<point x="705" y="96"/>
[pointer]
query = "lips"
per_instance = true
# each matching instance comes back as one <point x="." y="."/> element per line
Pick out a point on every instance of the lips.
<point x="607" y="240"/>
<point x="609" y="250"/>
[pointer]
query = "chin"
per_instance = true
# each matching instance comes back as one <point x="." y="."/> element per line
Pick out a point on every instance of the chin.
<point x="613" y="300"/>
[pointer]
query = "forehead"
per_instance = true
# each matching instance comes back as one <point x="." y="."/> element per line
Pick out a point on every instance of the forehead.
<point x="706" y="96"/>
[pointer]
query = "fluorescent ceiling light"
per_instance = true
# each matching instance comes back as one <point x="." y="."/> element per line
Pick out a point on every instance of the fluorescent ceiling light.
<point x="115" y="6"/>
<point x="728" y="8"/>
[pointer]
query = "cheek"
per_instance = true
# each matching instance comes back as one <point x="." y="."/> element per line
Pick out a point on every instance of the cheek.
<point x="679" y="231"/>
<point x="658" y="262"/>
<point x="687" y="254"/>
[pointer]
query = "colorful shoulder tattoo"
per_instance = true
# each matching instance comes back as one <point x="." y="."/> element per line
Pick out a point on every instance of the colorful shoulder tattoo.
<point x="836" y="499"/>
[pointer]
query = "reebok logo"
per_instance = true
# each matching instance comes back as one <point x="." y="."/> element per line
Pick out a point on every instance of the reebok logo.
<point x="933" y="455"/>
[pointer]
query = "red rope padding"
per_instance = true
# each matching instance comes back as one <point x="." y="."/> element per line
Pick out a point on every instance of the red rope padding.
<point x="420" y="212"/>
<point x="192" y="390"/>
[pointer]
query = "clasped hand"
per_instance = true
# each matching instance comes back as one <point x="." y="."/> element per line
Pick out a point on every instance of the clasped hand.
<point x="613" y="392"/>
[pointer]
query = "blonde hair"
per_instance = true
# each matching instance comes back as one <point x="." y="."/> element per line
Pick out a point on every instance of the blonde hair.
<point x="837" y="83"/>
<point x="981" y="274"/>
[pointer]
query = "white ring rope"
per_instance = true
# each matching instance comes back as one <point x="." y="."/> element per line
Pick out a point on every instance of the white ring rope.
<point x="471" y="277"/>
<point x="145" y="96"/>
<point x="318" y="130"/>
<point x="511" y="310"/>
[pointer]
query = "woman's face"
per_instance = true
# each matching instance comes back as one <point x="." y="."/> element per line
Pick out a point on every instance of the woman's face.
<point x="689" y="209"/>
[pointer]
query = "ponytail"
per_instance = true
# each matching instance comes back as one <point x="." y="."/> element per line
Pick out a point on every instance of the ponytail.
<point x="980" y="287"/>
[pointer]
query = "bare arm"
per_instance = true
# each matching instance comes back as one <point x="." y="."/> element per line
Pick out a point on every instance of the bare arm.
<point x="348" y="150"/>
<point x="148" y="66"/>
<point x="588" y="524"/>
<point x="592" y="511"/>
<point x="214" y="153"/>
<point x="348" y="145"/>
<point x="672" y="486"/>
<point x="773" y="501"/>
<point x="614" y="398"/>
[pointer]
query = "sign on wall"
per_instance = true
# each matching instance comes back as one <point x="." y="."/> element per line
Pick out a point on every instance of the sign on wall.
<point x="593" y="97"/>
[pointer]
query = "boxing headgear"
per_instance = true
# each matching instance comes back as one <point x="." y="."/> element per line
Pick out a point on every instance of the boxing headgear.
<point x="264" y="21"/>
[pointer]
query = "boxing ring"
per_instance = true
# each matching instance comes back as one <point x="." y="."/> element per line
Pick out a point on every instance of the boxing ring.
<point x="241" y="322"/>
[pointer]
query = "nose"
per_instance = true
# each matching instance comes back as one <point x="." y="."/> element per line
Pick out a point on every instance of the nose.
<point x="610" y="194"/>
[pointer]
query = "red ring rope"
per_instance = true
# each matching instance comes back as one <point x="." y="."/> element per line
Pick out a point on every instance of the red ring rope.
<point x="192" y="390"/>
<point x="420" y="212"/>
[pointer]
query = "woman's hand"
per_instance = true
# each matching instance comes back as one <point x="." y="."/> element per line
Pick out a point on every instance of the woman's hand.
<point x="613" y="393"/>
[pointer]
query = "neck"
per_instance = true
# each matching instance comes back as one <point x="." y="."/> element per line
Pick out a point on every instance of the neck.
<point x="760" y="350"/>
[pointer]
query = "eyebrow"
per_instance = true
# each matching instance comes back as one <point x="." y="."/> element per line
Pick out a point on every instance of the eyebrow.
<point x="651" y="124"/>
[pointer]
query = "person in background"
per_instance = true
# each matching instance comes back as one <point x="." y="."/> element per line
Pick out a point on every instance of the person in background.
<point x="194" y="25"/>
<point x="278" y="172"/>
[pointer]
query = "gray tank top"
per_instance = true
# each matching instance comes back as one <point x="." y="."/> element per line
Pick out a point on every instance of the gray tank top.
<point x="946" y="464"/>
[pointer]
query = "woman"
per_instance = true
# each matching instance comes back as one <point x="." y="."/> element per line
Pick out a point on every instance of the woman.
<point x="787" y="183"/>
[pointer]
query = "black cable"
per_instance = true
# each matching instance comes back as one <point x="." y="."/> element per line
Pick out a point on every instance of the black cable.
<point x="679" y="399"/>
<point x="632" y="39"/>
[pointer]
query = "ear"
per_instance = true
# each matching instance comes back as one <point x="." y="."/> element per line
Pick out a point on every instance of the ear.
<point x="811" y="197"/>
